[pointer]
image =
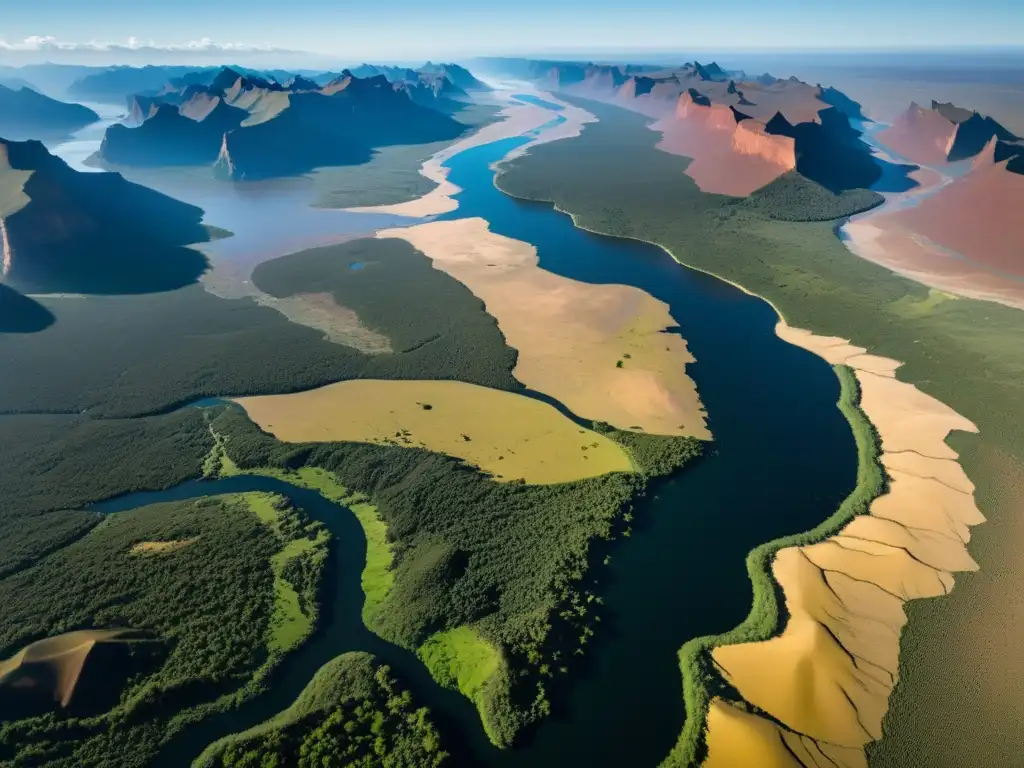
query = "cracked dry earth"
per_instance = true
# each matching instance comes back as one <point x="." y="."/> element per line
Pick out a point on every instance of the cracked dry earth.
<point x="821" y="688"/>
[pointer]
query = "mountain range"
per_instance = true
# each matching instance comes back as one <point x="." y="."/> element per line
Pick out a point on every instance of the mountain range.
<point x="66" y="231"/>
<point x="28" y="114"/>
<point x="742" y="132"/>
<point x="946" y="133"/>
<point x="251" y="127"/>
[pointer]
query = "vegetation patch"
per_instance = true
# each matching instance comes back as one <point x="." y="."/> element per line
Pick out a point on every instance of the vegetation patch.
<point x="462" y="660"/>
<point x="55" y="465"/>
<point x="507" y="435"/>
<point x="181" y="346"/>
<point x="701" y="679"/>
<point x="793" y="197"/>
<point x="297" y="569"/>
<point x="353" y="712"/>
<point x="507" y="559"/>
<point x="208" y="608"/>
<point x="965" y="353"/>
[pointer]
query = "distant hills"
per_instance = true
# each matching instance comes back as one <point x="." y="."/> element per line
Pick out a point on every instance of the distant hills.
<point x="741" y="131"/>
<point x="945" y="133"/>
<point x="65" y="231"/>
<point x="27" y="114"/>
<point x="250" y="127"/>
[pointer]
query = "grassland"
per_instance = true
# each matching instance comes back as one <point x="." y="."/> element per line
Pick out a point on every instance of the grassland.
<point x="180" y="346"/>
<point x="353" y="712"/>
<point x="295" y="613"/>
<point x="507" y="435"/>
<point x="463" y="660"/>
<point x="208" y="608"/>
<point x="507" y="559"/>
<point x="965" y="353"/>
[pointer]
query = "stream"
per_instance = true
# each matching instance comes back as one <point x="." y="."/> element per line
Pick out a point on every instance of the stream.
<point x="782" y="461"/>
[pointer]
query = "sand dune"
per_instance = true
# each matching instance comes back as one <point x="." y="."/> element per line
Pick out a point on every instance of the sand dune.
<point x="47" y="673"/>
<point x="826" y="679"/>
<point x="571" y="335"/>
<point x="509" y="435"/>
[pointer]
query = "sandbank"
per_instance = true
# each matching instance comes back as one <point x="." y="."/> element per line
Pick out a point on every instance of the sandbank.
<point x="518" y="119"/>
<point x="508" y="435"/>
<point x="826" y="679"/>
<point x="159" y="547"/>
<point x="602" y="350"/>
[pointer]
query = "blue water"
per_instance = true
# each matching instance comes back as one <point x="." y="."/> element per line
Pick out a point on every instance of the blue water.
<point x="357" y="265"/>
<point x="782" y="460"/>
<point x="528" y="99"/>
<point x="341" y="627"/>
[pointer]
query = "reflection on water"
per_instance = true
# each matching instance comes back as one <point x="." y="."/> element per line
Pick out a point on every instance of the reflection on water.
<point x="268" y="218"/>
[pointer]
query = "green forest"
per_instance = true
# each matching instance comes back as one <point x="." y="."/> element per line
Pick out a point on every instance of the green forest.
<point x="964" y="352"/>
<point x="180" y="346"/>
<point x="352" y="713"/>
<point x="508" y="558"/>
<point x="208" y="606"/>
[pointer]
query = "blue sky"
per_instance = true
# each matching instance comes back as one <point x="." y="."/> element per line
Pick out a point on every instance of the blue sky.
<point x="404" y="29"/>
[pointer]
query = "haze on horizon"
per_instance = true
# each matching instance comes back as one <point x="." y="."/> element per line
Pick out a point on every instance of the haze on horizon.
<point x="320" y="33"/>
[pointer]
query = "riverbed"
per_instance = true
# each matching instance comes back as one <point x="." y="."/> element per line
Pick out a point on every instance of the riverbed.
<point x="782" y="460"/>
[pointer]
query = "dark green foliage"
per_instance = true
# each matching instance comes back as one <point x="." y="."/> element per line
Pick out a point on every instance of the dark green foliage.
<point x="654" y="455"/>
<point x="964" y="352"/>
<point x="208" y="603"/>
<point x="793" y="197"/>
<point x="506" y="557"/>
<point x="177" y="347"/>
<point x="432" y="320"/>
<point x="53" y="464"/>
<point x="353" y="713"/>
<point x="701" y="678"/>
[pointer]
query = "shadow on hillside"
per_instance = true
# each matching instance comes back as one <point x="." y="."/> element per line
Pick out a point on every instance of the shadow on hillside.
<point x="20" y="314"/>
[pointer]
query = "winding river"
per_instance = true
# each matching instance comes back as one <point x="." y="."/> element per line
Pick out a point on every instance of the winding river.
<point x="782" y="460"/>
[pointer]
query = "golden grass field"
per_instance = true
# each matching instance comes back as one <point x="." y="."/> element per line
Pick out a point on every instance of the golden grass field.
<point x="159" y="547"/>
<point x="599" y="349"/>
<point x="511" y="436"/>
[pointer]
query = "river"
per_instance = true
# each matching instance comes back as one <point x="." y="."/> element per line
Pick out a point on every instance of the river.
<point x="782" y="460"/>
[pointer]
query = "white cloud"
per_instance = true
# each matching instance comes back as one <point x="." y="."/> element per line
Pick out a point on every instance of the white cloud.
<point x="46" y="44"/>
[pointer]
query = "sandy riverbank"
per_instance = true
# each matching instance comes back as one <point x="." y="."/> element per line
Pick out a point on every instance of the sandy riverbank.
<point x="599" y="349"/>
<point x="517" y="119"/>
<point x="826" y="679"/>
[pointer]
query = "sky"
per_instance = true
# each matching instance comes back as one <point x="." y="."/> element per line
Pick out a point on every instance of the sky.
<point x="319" y="32"/>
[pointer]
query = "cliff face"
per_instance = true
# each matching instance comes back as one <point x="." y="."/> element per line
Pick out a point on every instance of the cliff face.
<point x="95" y="232"/>
<point x="732" y="154"/>
<point x="171" y="138"/>
<point x="922" y="135"/>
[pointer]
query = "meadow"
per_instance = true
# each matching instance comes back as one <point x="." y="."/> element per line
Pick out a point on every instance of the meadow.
<point x="506" y="435"/>
<point x="963" y="352"/>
